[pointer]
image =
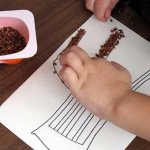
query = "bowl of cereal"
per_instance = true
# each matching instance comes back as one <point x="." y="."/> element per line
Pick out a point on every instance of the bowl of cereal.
<point x="17" y="36"/>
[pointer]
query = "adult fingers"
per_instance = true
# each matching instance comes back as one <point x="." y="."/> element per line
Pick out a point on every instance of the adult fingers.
<point x="100" y="8"/>
<point x="90" y="4"/>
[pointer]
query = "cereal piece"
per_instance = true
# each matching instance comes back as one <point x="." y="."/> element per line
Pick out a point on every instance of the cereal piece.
<point x="111" y="20"/>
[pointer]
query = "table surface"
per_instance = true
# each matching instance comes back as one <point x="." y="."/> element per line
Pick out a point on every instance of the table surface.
<point x="55" y="21"/>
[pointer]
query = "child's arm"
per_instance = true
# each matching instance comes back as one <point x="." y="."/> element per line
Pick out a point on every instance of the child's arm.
<point x="133" y="114"/>
<point x="101" y="8"/>
<point x="104" y="88"/>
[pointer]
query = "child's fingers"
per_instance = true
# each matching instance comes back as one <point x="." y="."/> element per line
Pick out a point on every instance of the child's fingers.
<point x="68" y="75"/>
<point x="72" y="60"/>
<point x="80" y="52"/>
<point x="90" y="5"/>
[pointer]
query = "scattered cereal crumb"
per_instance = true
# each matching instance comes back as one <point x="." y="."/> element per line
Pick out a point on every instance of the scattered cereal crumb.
<point x="55" y="71"/>
<point x="111" y="20"/>
<point x="54" y="63"/>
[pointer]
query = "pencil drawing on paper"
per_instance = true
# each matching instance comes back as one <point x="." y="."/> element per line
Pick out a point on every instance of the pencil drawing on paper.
<point x="74" y="123"/>
<point x="141" y="81"/>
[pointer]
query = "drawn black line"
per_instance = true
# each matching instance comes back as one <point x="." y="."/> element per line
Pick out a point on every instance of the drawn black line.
<point x="62" y="110"/>
<point x="140" y="76"/>
<point x="142" y="83"/>
<point x="96" y="134"/>
<point x="92" y="130"/>
<point x="68" y="117"/>
<point x="65" y="137"/>
<point x="85" y="127"/>
<point x="81" y="126"/>
<point x="41" y="141"/>
<point x="76" y="122"/>
<point x="65" y="115"/>
<point x="141" y="80"/>
<point x="72" y="119"/>
<point x="51" y="116"/>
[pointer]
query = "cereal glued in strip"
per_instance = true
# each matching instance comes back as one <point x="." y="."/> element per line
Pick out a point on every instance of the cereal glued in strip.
<point x="111" y="43"/>
<point x="77" y="38"/>
<point x="74" y="41"/>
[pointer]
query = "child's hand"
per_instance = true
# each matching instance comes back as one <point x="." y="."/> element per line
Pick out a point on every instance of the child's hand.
<point x="101" y="8"/>
<point x="99" y="85"/>
<point x="104" y="88"/>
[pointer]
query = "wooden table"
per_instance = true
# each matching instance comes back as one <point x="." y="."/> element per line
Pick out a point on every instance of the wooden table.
<point x="55" y="21"/>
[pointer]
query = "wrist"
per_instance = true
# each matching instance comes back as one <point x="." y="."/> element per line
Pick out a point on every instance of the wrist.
<point x="116" y="105"/>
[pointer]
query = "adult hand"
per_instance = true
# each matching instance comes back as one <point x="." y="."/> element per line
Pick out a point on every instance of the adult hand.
<point x="101" y="8"/>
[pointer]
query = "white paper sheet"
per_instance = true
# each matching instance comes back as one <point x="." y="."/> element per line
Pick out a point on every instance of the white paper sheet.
<point x="44" y="114"/>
